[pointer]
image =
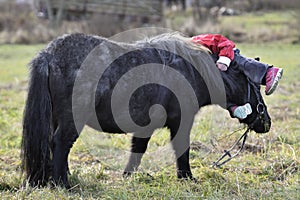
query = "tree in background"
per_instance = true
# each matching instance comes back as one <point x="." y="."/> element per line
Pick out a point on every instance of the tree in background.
<point x="55" y="16"/>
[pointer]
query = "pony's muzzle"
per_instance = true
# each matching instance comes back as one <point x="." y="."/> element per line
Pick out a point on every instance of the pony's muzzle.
<point x="262" y="126"/>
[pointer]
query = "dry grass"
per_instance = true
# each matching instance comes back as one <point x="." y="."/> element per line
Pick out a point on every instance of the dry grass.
<point x="18" y="24"/>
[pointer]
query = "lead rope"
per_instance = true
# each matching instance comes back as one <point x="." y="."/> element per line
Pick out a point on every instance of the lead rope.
<point x="219" y="164"/>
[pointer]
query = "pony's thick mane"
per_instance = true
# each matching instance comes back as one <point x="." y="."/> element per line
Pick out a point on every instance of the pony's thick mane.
<point x="177" y="44"/>
<point x="173" y="38"/>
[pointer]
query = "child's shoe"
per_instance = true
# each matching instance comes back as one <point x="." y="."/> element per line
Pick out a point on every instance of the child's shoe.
<point x="273" y="76"/>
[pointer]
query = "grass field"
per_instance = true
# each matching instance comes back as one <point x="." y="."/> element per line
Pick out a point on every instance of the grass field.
<point x="269" y="167"/>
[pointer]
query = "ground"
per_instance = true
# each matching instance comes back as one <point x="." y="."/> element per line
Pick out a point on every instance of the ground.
<point x="269" y="167"/>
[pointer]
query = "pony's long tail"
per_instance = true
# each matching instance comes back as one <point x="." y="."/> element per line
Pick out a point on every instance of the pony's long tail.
<point x="37" y="123"/>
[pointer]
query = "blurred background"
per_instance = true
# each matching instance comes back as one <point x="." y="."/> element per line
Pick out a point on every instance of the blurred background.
<point x="39" y="21"/>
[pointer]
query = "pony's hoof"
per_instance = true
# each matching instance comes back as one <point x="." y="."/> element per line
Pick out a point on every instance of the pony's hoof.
<point x="187" y="176"/>
<point x="62" y="184"/>
<point x="189" y="179"/>
<point x="127" y="174"/>
<point x="194" y="180"/>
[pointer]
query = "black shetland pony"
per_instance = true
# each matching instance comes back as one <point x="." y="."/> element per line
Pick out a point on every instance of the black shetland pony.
<point x="160" y="82"/>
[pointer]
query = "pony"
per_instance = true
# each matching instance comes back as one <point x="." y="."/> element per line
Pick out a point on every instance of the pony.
<point x="118" y="87"/>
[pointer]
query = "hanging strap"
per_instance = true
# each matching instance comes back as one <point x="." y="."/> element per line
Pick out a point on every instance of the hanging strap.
<point x="219" y="162"/>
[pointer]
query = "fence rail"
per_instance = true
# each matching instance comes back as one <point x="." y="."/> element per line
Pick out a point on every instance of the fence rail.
<point x="126" y="7"/>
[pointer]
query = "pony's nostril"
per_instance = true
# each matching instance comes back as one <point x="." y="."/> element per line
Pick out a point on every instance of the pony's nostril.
<point x="267" y="126"/>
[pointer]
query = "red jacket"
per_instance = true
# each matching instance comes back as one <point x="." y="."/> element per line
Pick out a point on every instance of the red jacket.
<point x="219" y="45"/>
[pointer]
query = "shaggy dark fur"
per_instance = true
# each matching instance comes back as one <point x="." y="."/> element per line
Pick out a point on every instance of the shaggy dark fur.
<point x="49" y="130"/>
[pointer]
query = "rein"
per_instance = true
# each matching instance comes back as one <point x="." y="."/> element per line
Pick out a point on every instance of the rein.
<point x="219" y="162"/>
<point x="260" y="108"/>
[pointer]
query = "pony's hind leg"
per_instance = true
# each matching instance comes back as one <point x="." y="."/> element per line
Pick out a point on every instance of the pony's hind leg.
<point x="63" y="139"/>
<point x="138" y="148"/>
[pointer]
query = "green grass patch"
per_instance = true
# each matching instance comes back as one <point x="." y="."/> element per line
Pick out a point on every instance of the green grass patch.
<point x="273" y="20"/>
<point x="13" y="61"/>
<point x="255" y="27"/>
<point x="261" y="27"/>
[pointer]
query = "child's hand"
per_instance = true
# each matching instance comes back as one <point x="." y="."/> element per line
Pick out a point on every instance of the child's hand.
<point x="222" y="66"/>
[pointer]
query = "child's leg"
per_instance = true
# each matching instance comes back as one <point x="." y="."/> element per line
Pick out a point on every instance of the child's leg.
<point x="253" y="69"/>
<point x="258" y="72"/>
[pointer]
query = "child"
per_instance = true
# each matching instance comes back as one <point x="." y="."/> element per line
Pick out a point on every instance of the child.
<point x="253" y="69"/>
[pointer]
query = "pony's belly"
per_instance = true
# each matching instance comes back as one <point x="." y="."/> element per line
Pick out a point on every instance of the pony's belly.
<point x="104" y="127"/>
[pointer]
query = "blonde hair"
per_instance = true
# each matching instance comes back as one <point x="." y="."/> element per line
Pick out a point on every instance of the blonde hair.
<point x="177" y="37"/>
<point x="193" y="45"/>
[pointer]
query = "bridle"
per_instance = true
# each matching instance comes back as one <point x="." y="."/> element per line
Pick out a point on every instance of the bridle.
<point x="260" y="108"/>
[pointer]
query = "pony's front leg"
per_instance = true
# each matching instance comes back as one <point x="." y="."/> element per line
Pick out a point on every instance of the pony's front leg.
<point x="183" y="166"/>
<point x="138" y="148"/>
<point x="181" y="145"/>
<point x="63" y="140"/>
